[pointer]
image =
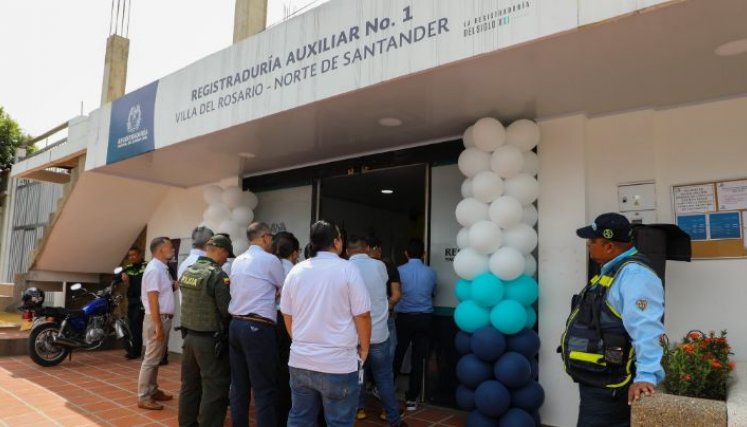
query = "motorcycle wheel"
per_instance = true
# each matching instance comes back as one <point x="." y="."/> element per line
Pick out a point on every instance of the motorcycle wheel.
<point x="41" y="349"/>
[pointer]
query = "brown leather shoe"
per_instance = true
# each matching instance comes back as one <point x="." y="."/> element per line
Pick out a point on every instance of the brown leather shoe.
<point x="160" y="396"/>
<point x="149" y="404"/>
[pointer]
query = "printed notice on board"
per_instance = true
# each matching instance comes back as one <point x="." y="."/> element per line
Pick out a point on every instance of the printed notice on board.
<point x="694" y="225"/>
<point x="744" y="228"/>
<point x="724" y="225"/>
<point x="732" y="195"/>
<point x="689" y="199"/>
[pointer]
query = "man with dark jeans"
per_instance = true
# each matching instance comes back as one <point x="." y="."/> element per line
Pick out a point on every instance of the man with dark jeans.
<point x="326" y="309"/>
<point x="414" y="313"/>
<point x="379" y="360"/>
<point x="133" y="277"/>
<point x="256" y="279"/>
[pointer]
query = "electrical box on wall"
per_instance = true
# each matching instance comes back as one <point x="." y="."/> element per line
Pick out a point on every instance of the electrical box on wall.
<point x="637" y="202"/>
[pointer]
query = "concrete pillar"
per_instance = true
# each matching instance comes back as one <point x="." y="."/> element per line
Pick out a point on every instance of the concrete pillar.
<point x="250" y="18"/>
<point x="115" y="68"/>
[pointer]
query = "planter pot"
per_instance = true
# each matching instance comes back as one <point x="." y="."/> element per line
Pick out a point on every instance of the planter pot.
<point x="664" y="410"/>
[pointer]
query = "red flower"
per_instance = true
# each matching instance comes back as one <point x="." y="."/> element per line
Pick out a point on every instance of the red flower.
<point x="715" y="364"/>
<point x="688" y="348"/>
<point x="685" y="377"/>
<point x="695" y="335"/>
<point x="732" y="365"/>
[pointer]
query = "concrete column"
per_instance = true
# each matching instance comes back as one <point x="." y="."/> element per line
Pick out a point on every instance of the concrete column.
<point x="115" y="68"/>
<point x="250" y="18"/>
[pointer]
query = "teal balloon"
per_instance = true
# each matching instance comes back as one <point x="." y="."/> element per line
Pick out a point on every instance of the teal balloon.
<point x="487" y="290"/>
<point x="524" y="290"/>
<point x="463" y="290"/>
<point x="469" y="316"/>
<point x="531" y="317"/>
<point x="509" y="317"/>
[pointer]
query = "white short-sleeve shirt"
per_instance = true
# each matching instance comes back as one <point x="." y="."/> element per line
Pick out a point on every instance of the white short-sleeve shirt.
<point x="323" y="295"/>
<point x="375" y="277"/>
<point x="256" y="278"/>
<point x="157" y="278"/>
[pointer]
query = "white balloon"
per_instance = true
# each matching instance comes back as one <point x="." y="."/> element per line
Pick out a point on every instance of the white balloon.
<point x="473" y="161"/>
<point x="531" y="163"/>
<point x="530" y="266"/>
<point x="210" y="224"/>
<point x="488" y="134"/>
<point x="229" y="227"/>
<point x="250" y="200"/>
<point x="470" y="211"/>
<point x="469" y="263"/>
<point x="507" y="161"/>
<point x="487" y="186"/>
<point x="216" y="213"/>
<point x="232" y="197"/>
<point x="239" y="246"/>
<point x="467" y="188"/>
<point x="242" y="216"/>
<point x="468" y="138"/>
<point x="485" y="237"/>
<point x="507" y="263"/>
<point x="463" y="238"/>
<point x="212" y="194"/>
<point x="522" y="237"/>
<point x="530" y="215"/>
<point x="523" y="134"/>
<point x="506" y="211"/>
<point x="524" y="187"/>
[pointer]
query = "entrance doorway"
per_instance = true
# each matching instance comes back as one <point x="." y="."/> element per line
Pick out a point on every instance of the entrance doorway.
<point x="388" y="203"/>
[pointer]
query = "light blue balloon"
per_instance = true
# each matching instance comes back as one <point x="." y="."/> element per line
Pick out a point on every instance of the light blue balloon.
<point x="487" y="290"/>
<point x="469" y="316"/>
<point x="508" y="317"/>
<point x="463" y="290"/>
<point x="531" y="317"/>
<point x="524" y="290"/>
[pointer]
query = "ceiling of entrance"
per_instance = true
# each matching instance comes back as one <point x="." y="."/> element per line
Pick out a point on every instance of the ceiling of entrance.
<point x="657" y="58"/>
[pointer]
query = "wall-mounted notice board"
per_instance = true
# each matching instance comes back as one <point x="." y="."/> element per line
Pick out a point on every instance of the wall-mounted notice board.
<point x="714" y="214"/>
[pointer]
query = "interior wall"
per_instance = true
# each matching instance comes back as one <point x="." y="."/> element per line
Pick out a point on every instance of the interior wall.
<point x="287" y="209"/>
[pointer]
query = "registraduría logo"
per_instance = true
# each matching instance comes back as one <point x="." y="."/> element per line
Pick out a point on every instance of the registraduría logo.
<point x="134" y="118"/>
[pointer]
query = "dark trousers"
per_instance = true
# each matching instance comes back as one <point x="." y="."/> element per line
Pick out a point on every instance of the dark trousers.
<point x="415" y="329"/>
<point x="284" y="400"/>
<point x="135" y="315"/>
<point x="253" y="353"/>
<point x="203" y="398"/>
<point x="603" y="407"/>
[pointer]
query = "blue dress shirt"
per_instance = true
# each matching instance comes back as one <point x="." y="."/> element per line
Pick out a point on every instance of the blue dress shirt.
<point x="418" y="283"/>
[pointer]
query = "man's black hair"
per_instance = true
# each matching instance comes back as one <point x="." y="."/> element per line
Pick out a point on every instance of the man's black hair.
<point x="415" y="248"/>
<point x="322" y="236"/>
<point x="284" y="243"/>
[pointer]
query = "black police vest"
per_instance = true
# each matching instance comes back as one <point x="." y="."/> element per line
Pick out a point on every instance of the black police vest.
<point x="595" y="347"/>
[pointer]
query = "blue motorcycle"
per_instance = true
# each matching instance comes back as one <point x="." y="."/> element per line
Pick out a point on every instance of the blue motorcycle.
<point x="58" y="331"/>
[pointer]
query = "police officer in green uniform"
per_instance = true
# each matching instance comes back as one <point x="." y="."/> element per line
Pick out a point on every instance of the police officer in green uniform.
<point x="203" y="398"/>
<point x="132" y="276"/>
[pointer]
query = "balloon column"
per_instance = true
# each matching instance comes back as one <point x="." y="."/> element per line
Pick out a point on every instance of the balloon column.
<point x="229" y="210"/>
<point x="497" y="291"/>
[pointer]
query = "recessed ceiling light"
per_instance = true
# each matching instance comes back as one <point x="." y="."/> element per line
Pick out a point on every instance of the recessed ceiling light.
<point x="387" y="191"/>
<point x="390" y="122"/>
<point x="734" y="47"/>
<point x="247" y="155"/>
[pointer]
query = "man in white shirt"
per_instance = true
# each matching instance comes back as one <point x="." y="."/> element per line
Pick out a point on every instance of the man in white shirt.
<point x="256" y="279"/>
<point x="158" y="301"/>
<point x="327" y="311"/>
<point x="379" y="361"/>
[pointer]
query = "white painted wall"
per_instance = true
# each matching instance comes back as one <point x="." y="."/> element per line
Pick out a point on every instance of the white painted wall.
<point x="289" y="208"/>
<point x="582" y="161"/>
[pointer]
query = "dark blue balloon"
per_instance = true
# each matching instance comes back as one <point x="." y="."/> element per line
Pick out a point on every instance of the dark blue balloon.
<point x="526" y="342"/>
<point x="471" y="371"/>
<point x="513" y="370"/>
<point x="465" y="398"/>
<point x="477" y="419"/>
<point x="492" y="398"/>
<point x="529" y="398"/>
<point x="516" y="417"/>
<point x="488" y="344"/>
<point x="462" y="342"/>
<point x="535" y="368"/>
<point x="537" y="420"/>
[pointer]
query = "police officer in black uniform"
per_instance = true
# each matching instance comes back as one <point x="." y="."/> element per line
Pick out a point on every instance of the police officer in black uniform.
<point x="132" y="276"/>
<point x="203" y="398"/>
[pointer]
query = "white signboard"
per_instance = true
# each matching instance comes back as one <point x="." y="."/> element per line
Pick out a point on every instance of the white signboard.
<point x="336" y="48"/>
<point x="732" y="195"/>
<point x="694" y="199"/>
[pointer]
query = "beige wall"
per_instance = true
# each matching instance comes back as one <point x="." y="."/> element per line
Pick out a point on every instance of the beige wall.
<point x="582" y="162"/>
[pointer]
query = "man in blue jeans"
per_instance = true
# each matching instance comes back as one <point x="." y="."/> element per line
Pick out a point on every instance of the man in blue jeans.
<point x="379" y="360"/>
<point x="326" y="308"/>
<point x="256" y="279"/>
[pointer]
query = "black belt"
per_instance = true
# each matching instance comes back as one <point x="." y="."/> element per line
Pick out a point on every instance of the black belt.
<point x="198" y="333"/>
<point x="251" y="317"/>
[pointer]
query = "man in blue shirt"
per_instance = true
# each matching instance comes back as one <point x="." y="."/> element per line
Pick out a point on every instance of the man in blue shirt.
<point x="629" y="319"/>
<point x="414" y="311"/>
